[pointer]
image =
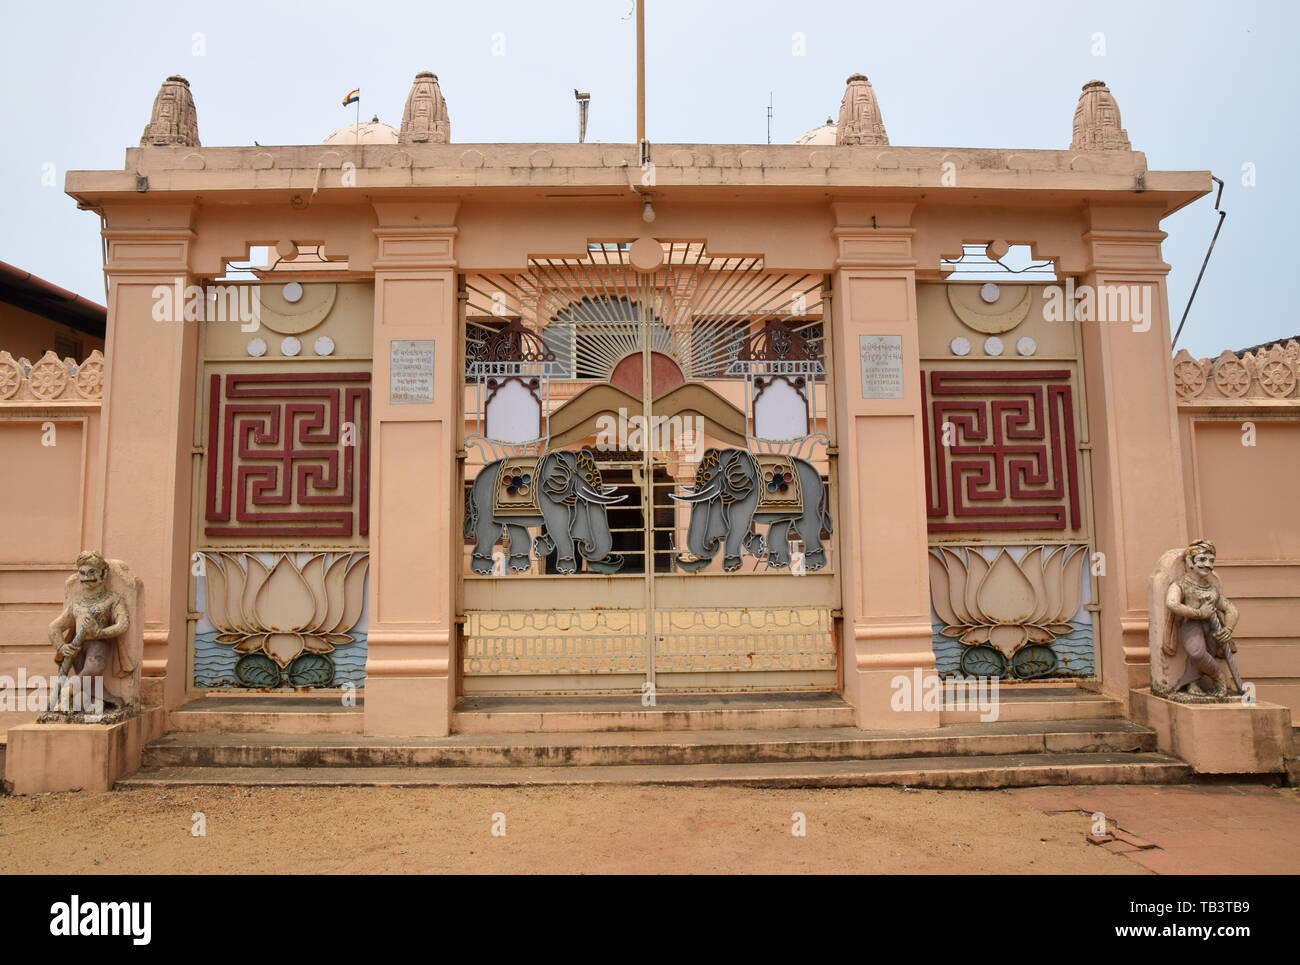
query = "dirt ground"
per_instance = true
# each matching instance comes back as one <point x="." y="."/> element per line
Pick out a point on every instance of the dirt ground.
<point x="556" y="830"/>
<point x="622" y="829"/>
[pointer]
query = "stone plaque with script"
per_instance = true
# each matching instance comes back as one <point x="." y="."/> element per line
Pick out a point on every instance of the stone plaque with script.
<point x="410" y="372"/>
<point x="882" y="366"/>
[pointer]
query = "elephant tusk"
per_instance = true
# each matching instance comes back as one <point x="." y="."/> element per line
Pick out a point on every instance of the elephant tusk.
<point x="587" y="494"/>
<point x="698" y="495"/>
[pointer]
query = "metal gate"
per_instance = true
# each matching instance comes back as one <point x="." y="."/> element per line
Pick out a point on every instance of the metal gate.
<point x="647" y="475"/>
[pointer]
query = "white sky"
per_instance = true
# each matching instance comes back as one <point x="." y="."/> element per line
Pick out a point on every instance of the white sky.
<point x="1200" y="86"/>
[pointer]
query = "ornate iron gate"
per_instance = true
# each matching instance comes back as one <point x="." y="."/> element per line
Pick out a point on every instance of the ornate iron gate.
<point x="647" y="475"/>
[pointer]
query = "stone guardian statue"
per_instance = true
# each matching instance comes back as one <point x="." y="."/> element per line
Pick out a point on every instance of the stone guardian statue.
<point x="98" y="642"/>
<point x="1191" y="628"/>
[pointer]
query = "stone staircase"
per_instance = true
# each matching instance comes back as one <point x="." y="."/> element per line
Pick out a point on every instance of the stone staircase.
<point x="1045" y="735"/>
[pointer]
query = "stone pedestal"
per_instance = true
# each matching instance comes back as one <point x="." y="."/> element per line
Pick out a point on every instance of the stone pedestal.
<point x="1218" y="738"/>
<point x="78" y="757"/>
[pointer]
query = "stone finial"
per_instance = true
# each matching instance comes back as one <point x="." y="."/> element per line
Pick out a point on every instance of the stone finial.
<point x="425" y="119"/>
<point x="174" y="119"/>
<point x="860" y="121"/>
<point x="1096" y="121"/>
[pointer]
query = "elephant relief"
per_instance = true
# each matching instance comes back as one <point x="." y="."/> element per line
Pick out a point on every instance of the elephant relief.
<point x="735" y="488"/>
<point x="560" y="491"/>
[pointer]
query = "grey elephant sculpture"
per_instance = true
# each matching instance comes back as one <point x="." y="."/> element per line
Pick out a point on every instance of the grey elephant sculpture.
<point x="562" y="492"/>
<point x="735" y="488"/>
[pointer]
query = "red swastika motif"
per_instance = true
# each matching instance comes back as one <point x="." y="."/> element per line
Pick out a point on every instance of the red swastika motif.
<point x="277" y="458"/>
<point x="1011" y="463"/>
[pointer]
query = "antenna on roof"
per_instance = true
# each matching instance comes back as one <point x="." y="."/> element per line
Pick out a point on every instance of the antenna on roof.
<point x="769" y="117"/>
<point x="583" y="101"/>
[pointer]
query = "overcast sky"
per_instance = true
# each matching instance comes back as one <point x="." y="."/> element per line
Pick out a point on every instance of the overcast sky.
<point x="1200" y="86"/>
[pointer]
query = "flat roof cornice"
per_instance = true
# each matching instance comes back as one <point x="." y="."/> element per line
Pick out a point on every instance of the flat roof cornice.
<point x="706" y="171"/>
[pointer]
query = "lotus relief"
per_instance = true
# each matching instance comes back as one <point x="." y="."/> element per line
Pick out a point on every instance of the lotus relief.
<point x="286" y="609"/>
<point x="1006" y="604"/>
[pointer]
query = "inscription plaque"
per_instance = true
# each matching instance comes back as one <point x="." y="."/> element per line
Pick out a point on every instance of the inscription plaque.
<point x="410" y="372"/>
<point x="882" y="366"/>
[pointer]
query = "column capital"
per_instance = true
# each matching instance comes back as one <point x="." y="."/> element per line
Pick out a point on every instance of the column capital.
<point x="416" y="235"/>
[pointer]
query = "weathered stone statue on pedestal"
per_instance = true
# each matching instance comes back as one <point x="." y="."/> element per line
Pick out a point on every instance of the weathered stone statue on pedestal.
<point x="98" y="644"/>
<point x="1191" y="629"/>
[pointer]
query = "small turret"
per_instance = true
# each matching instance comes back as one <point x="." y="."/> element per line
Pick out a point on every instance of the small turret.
<point x="174" y="119"/>
<point x="1096" y="121"/>
<point x="860" y="121"/>
<point x="425" y="119"/>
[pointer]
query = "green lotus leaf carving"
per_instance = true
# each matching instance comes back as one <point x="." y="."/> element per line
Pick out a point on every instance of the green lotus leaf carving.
<point x="257" y="670"/>
<point x="983" y="661"/>
<point x="311" y="670"/>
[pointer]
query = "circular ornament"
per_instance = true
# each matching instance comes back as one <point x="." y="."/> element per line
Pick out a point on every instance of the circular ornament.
<point x="1189" y="380"/>
<point x="324" y="345"/>
<point x="257" y="348"/>
<point x="960" y="346"/>
<point x="48" y="379"/>
<point x="1232" y="378"/>
<point x="1276" y="378"/>
<point x="993" y="346"/>
<point x="290" y="347"/>
<point x="292" y="292"/>
<point x="1026" y="346"/>
<point x="11" y="377"/>
<point x="89" y="382"/>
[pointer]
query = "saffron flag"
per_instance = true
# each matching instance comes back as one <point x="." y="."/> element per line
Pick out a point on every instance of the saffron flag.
<point x="352" y="98"/>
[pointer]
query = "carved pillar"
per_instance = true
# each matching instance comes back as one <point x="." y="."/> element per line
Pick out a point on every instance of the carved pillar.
<point x="1133" y="418"/>
<point x="884" y="573"/>
<point x="148" y="426"/>
<point x="415" y="496"/>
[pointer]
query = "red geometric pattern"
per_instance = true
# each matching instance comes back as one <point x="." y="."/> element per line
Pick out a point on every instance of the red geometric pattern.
<point x="1013" y="462"/>
<point x="276" y="459"/>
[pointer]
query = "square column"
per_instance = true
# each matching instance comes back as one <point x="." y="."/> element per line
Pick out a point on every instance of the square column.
<point x="1133" y="416"/>
<point x="884" y="573"/>
<point x="415" y="496"/>
<point x="146" y="448"/>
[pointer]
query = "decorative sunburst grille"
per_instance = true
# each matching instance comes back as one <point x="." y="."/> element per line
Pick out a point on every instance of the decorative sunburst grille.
<point x="592" y="311"/>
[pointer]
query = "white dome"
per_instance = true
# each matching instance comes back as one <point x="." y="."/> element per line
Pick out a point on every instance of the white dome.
<point x="819" y="135"/>
<point x="367" y="132"/>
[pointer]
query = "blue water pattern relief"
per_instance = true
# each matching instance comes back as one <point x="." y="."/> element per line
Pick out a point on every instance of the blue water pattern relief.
<point x="214" y="663"/>
<point x="1074" y="653"/>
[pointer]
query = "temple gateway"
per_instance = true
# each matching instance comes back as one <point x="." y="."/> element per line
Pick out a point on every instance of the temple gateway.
<point x="404" y="437"/>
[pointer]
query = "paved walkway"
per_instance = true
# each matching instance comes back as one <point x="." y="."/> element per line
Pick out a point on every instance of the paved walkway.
<point x="1189" y="829"/>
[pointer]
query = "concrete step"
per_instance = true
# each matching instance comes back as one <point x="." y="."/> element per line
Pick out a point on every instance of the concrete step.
<point x="672" y="712"/>
<point x="1011" y="770"/>
<point x="1040" y="703"/>
<point x="268" y="715"/>
<point x="585" y="749"/>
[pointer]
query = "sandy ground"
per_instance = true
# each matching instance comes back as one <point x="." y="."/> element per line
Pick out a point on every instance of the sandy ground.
<point x="558" y="830"/>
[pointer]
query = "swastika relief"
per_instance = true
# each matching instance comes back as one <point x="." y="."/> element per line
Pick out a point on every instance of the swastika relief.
<point x="288" y="455"/>
<point x="1000" y="451"/>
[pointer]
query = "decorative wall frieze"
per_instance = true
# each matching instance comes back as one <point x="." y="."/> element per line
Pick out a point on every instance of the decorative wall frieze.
<point x="288" y="455"/>
<point x="275" y="619"/>
<point x="1000" y="451"/>
<point x="1011" y="610"/>
<point x="51" y="379"/>
<point x="1271" y="373"/>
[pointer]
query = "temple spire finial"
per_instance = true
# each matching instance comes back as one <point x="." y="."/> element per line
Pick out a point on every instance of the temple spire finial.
<point x="1096" y="121"/>
<point x="424" y="121"/>
<point x="860" y="121"/>
<point x="174" y="119"/>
